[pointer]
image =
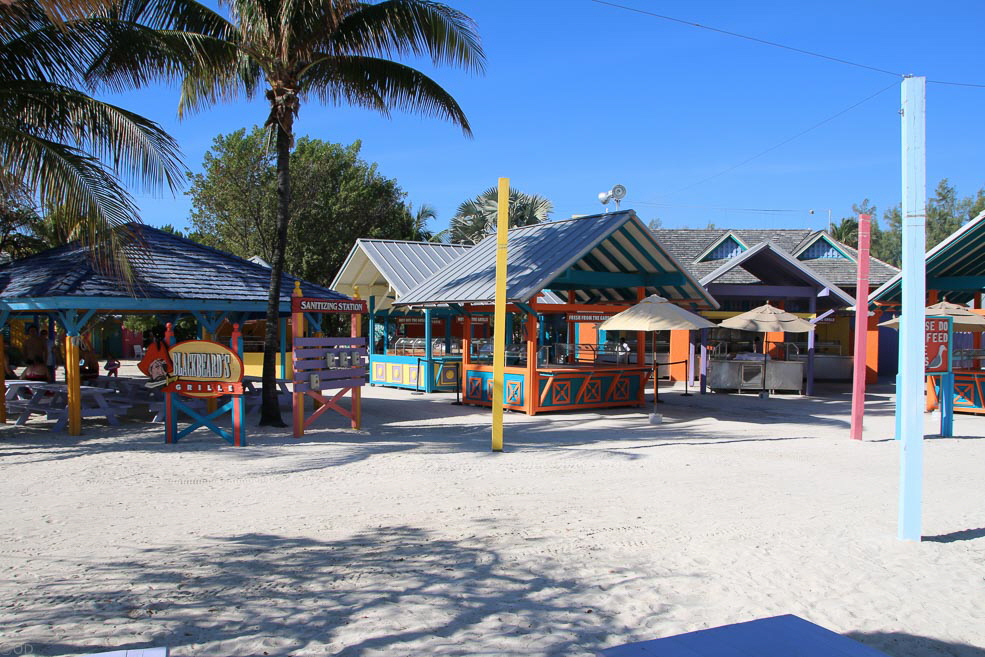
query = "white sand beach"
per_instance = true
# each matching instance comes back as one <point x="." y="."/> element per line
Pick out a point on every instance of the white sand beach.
<point x="410" y="538"/>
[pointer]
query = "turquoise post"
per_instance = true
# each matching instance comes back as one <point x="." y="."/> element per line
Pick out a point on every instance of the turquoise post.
<point x="946" y="398"/>
<point x="428" y="372"/>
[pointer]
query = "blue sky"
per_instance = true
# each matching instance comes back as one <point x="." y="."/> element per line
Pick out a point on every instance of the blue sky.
<point x="579" y="96"/>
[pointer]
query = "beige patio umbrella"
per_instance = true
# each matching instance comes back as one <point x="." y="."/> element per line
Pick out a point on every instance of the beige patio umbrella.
<point x="655" y="313"/>
<point x="965" y="321"/>
<point x="767" y="319"/>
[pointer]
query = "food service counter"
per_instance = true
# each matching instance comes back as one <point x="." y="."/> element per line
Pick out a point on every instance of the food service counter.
<point x="748" y="375"/>
<point x="559" y="388"/>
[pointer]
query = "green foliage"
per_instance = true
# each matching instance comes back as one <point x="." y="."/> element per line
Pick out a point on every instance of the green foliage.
<point x="19" y="220"/>
<point x="70" y="150"/>
<point x="476" y="218"/>
<point x="338" y="198"/>
<point x="186" y="328"/>
<point x="846" y="231"/>
<point x="946" y="213"/>
<point x="234" y="200"/>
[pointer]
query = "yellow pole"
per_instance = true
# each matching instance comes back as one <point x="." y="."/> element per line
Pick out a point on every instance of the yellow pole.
<point x="72" y="380"/>
<point x="499" y="318"/>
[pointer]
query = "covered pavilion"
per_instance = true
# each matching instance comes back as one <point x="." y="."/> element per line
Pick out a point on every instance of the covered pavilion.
<point x="172" y="277"/>
<point x="382" y="271"/>
<point x="599" y="265"/>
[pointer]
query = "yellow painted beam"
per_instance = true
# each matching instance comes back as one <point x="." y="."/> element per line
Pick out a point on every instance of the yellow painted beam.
<point x="499" y="316"/>
<point x="72" y="380"/>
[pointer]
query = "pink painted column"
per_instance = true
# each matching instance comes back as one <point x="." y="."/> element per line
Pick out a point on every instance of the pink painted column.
<point x="861" y="326"/>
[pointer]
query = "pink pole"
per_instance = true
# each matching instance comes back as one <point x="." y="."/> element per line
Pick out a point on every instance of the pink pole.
<point x="861" y="325"/>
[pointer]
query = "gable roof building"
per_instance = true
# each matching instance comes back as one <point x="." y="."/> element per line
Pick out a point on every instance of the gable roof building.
<point x="600" y="258"/>
<point x="829" y="261"/>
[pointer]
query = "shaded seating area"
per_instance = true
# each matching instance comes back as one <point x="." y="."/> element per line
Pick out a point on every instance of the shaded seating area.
<point x="173" y="277"/>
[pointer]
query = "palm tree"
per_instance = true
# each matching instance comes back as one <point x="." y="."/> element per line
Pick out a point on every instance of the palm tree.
<point x="476" y="218"/>
<point x="845" y="232"/>
<point x="70" y="150"/>
<point x="419" y="219"/>
<point x="333" y="51"/>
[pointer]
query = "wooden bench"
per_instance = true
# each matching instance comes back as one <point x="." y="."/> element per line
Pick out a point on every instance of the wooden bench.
<point x="787" y="635"/>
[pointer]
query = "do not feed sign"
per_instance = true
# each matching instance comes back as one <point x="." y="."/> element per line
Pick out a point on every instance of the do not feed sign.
<point x="937" y="345"/>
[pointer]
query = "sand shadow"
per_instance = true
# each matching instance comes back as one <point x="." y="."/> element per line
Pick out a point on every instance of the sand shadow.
<point x="400" y="589"/>
<point x="901" y="644"/>
<point x="963" y="535"/>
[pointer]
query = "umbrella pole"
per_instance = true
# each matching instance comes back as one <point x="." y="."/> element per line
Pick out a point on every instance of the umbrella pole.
<point x="764" y="394"/>
<point x="656" y="382"/>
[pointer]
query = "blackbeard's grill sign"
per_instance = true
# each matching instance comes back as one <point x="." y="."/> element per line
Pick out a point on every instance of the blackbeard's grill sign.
<point x="201" y="368"/>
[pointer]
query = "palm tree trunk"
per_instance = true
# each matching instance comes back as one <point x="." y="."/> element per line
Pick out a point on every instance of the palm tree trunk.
<point x="270" y="404"/>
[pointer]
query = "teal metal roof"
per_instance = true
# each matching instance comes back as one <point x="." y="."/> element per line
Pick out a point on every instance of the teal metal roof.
<point x="602" y="258"/>
<point x="955" y="267"/>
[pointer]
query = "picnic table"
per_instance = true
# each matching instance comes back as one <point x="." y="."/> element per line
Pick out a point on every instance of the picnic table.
<point x="51" y="400"/>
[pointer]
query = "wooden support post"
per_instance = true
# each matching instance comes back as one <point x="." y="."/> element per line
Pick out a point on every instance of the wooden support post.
<point x="428" y="372"/>
<point x="371" y="339"/>
<point x="356" y="326"/>
<point x="297" y="398"/>
<point x="170" y="412"/>
<point x="861" y="354"/>
<point x="72" y="379"/>
<point x="811" y="337"/>
<point x="239" y="408"/>
<point x="914" y="215"/>
<point x="499" y="316"/>
<point x="976" y="338"/>
<point x="640" y="335"/>
<point x="872" y="348"/>
<point x="531" y="385"/>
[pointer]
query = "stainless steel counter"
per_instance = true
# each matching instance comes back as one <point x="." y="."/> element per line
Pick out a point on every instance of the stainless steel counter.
<point x="748" y="375"/>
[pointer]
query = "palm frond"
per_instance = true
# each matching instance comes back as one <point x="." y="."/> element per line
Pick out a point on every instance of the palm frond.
<point x="78" y="185"/>
<point x="382" y="85"/>
<point x="417" y="27"/>
<point x="139" y="150"/>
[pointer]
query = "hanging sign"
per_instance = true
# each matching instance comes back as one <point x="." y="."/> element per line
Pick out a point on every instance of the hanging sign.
<point x="588" y="317"/>
<point x="937" y="344"/>
<point x="341" y="306"/>
<point x="195" y="368"/>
